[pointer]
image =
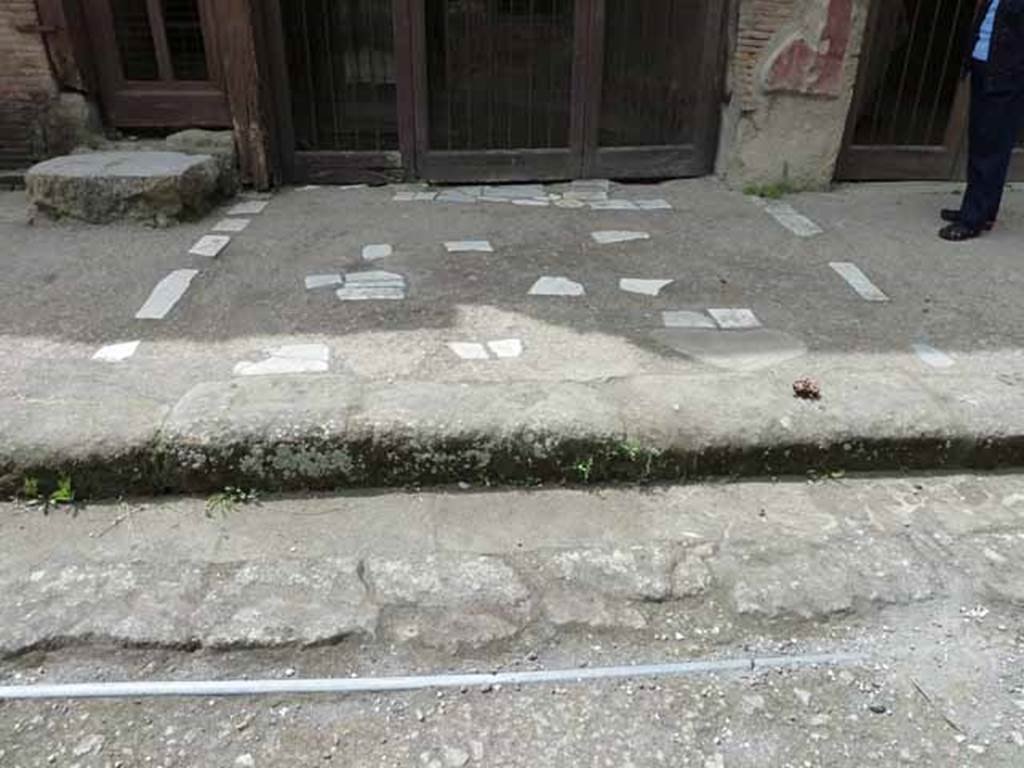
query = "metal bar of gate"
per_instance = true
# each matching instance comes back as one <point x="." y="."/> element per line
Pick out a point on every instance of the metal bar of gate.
<point x="945" y="67"/>
<point x="906" y="67"/>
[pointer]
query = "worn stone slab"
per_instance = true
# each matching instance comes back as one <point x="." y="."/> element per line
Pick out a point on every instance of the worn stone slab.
<point x="100" y="187"/>
<point x="469" y="350"/>
<point x="749" y="350"/>
<point x="186" y="603"/>
<point x="289" y="359"/>
<point x="734" y="318"/>
<point x="210" y="246"/>
<point x="323" y="281"/>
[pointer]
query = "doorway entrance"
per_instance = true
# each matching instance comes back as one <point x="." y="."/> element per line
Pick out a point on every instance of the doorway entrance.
<point x="497" y="90"/>
<point x="908" y="120"/>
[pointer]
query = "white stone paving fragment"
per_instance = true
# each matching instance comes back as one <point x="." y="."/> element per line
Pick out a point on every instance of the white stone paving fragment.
<point x="116" y="353"/>
<point x="506" y="349"/>
<point x="375" y="285"/>
<point x="210" y="245"/>
<point x="531" y="202"/>
<point x="735" y="319"/>
<point x="291" y="358"/>
<point x="509" y="192"/>
<point x="166" y="294"/>
<point x="323" y="281"/>
<point x="556" y="286"/>
<point x="405" y="197"/>
<point x="857" y="280"/>
<point x="643" y="286"/>
<point x="377" y="251"/>
<point x="248" y="208"/>
<point x="424" y="196"/>
<point x="929" y="355"/>
<point x="467" y="350"/>
<point x="653" y="205"/>
<point x="468" y="246"/>
<point x="613" y="205"/>
<point x="608" y="236"/>
<point x="681" y="318"/>
<point x="794" y="221"/>
<point x="231" y="225"/>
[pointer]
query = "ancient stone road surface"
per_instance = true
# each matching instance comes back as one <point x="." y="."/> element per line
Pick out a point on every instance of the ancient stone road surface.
<point x="923" y="577"/>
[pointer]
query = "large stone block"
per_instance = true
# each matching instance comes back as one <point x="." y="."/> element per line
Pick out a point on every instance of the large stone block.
<point x="103" y="186"/>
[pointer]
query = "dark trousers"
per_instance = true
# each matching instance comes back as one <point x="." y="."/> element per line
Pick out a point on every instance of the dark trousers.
<point x="997" y="116"/>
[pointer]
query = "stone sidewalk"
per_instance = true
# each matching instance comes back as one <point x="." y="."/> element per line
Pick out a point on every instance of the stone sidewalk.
<point x="459" y="571"/>
<point x="132" y="362"/>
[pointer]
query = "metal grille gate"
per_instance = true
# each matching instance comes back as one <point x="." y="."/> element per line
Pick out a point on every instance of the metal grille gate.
<point x="909" y="115"/>
<point x="458" y="90"/>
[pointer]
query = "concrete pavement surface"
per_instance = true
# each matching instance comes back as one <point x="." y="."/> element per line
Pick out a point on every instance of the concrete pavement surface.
<point x="919" y="576"/>
<point x="469" y="374"/>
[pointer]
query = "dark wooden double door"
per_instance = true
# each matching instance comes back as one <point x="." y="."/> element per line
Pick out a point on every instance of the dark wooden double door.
<point x="477" y="90"/>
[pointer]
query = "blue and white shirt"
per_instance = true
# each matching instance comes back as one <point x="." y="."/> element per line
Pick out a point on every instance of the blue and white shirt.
<point x="984" y="45"/>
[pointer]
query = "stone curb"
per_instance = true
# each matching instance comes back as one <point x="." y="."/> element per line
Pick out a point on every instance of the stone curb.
<point x="336" y="432"/>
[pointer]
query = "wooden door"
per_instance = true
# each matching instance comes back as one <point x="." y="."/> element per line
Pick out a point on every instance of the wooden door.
<point x="344" y="106"/>
<point x="557" y="89"/>
<point x="908" y="119"/>
<point x="499" y="88"/>
<point x="654" y="87"/>
<point x="495" y="90"/>
<point x="157" y="63"/>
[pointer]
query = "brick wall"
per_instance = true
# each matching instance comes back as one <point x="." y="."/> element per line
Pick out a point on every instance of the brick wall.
<point x="760" y="21"/>
<point x="26" y="86"/>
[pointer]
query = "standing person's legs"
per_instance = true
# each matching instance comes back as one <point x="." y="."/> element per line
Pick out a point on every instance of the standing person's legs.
<point x="994" y="125"/>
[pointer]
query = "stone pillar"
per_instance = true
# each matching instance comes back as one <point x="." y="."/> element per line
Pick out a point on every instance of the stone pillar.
<point x="792" y="76"/>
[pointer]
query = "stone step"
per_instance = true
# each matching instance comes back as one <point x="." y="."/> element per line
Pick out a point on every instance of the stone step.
<point x="100" y="187"/>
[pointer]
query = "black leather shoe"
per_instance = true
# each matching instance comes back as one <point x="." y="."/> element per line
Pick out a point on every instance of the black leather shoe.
<point x="958" y="232"/>
<point x="952" y="215"/>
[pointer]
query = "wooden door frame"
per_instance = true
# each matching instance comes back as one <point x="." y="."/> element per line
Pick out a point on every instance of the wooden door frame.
<point x="336" y="166"/>
<point x="653" y="161"/>
<point x="504" y="164"/>
<point x="163" y="103"/>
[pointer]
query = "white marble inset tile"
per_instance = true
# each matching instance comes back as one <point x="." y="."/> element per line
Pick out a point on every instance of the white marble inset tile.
<point x="857" y="280"/>
<point x="929" y="355"/>
<point x="557" y="286"/>
<point x="508" y="192"/>
<point x="643" y="287"/>
<point x="291" y="358"/>
<point x="608" y="236"/>
<point x="405" y="197"/>
<point x="734" y="318"/>
<point x="506" y="349"/>
<point x="791" y="219"/>
<point x="588" y="190"/>
<point x="469" y="350"/>
<point x="612" y="205"/>
<point x="210" y="245"/>
<point x="469" y="246"/>
<point x="374" y="277"/>
<point x="377" y="251"/>
<point x="681" y="318"/>
<point x="166" y="294"/>
<point x="116" y="353"/>
<point x="248" y="208"/>
<point x="323" y="281"/>
<point x="424" y="196"/>
<point x="529" y="202"/>
<point x="569" y="202"/>
<point x="231" y="225"/>
<point x="371" y="293"/>
<point x="653" y="205"/>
